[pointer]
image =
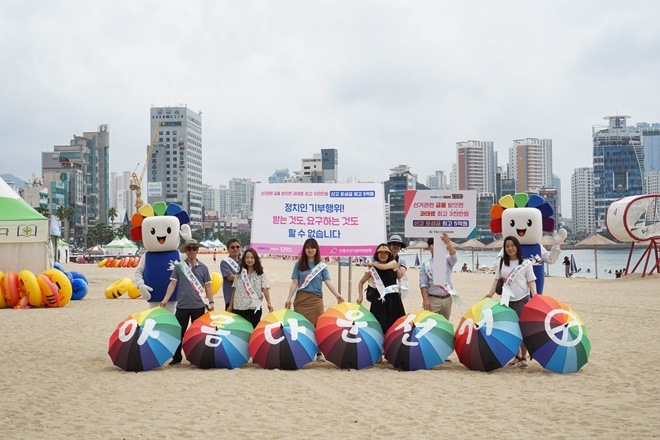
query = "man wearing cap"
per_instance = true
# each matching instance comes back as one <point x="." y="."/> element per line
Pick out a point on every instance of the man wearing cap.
<point x="190" y="293"/>
<point x="396" y="244"/>
<point x="434" y="297"/>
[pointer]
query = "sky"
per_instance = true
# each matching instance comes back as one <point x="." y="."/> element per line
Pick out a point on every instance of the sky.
<point x="384" y="82"/>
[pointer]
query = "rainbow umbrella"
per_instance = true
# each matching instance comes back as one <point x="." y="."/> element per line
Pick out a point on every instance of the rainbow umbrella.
<point x="487" y="336"/>
<point x="554" y="334"/>
<point x="349" y="336"/>
<point x="419" y="340"/>
<point x="218" y="339"/>
<point x="283" y="339"/>
<point x="144" y="341"/>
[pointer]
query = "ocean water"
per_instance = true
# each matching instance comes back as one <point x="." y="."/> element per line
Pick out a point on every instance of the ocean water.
<point x="608" y="260"/>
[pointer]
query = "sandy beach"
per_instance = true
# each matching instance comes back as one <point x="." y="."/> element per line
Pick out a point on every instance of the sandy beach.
<point x="58" y="381"/>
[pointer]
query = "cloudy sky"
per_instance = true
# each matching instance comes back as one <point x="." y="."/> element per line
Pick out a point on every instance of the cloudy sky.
<point x="384" y="82"/>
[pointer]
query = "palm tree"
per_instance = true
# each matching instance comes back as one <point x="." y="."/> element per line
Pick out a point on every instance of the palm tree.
<point x="66" y="213"/>
<point x="112" y="214"/>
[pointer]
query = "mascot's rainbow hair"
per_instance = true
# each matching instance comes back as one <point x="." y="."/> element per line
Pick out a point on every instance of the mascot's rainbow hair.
<point x="522" y="200"/>
<point x="159" y="208"/>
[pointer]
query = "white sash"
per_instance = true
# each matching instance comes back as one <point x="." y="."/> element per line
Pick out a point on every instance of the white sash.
<point x="506" y="288"/>
<point x="186" y="269"/>
<point x="233" y="264"/>
<point x="378" y="283"/>
<point x="310" y="276"/>
<point x="255" y="302"/>
<point x="446" y="287"/>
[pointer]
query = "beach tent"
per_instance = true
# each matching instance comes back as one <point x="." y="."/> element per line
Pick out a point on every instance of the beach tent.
<point x="63" y="251"/>
<point x="118" y="247"/>
<point x="24" y="235"/>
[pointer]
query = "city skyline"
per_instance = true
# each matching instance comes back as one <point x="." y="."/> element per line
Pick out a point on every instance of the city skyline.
<point x="383" y="84"/>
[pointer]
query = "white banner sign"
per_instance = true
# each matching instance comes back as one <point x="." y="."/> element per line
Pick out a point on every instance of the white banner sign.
<point x="154" y="189"/>
<point x="430" y="212"/>
<point x="346" y="219"/>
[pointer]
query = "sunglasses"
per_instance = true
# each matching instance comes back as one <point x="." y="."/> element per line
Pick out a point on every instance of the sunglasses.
<point x="191" y="249"/>
<point x="234" y="247"/>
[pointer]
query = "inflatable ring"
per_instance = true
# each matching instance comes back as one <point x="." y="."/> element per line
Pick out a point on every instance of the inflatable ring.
<point x="11" y="289"/>
<point x="102" y="262"/>
<point x="29" y="287"/>
<point x="3" y="301"/>
<point x="49" y="293"/>
<point x="78" y="275"/>
<point x="63" y="284"/>
<point x="79" y="289"/>
<point x="134" y="292"/>
<point x="118" y="288"/>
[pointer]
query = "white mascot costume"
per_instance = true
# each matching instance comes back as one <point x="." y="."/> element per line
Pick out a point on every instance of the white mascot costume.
<point x="526" y="218"/>
<point x="160" y="228"/>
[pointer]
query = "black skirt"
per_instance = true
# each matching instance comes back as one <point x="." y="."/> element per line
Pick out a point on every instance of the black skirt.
<point x="389" y="311"/>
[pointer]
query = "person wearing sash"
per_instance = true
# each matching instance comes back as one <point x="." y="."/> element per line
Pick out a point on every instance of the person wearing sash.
<point x="229" y="268"/>
<point x="396" y="244"/>
<point x="306" y="290"/>
<point x="249" y="289"/>
<point x="387" y="306"/>
<point x="437" y="298"/>
<point x="519" y="283"/>
<point x="195" y="283"/>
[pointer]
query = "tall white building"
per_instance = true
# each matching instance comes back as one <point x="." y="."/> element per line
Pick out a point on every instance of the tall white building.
<point x="476" y="166"/>
<point x="175" y="166"/>
<point x="121" y="196"/>
<point x="530" y="164"/>
<point x="438" y="181"/>
<point x="582" y="200"/>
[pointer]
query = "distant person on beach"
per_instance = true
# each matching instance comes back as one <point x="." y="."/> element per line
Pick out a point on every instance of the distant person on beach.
<point x="435" y="295"/>
<point x="306" y="290"/>
<point x="464" y="268"/>
<point x="190" y="304"/>
<point x="567" y="267"/>
<point x="249" y="289"/>
<point x="383" y="290"/>
<point x="588" y="270"/>
<point x="396" y="244"/>
<point x="229" y="268"/>
<point x="519" y="284"/>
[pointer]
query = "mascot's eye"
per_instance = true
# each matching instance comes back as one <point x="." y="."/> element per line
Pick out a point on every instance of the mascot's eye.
<point x="513" y="223"/>
<point x="529" y="223"/>
<point x="169" y="231"/>
<point x="153" y="231"/>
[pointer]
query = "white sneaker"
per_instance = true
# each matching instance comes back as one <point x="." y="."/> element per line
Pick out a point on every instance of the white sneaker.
<point x="320" y="357"/>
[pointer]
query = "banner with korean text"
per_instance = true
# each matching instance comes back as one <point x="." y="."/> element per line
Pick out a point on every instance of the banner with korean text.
<point x="346" y="219"/>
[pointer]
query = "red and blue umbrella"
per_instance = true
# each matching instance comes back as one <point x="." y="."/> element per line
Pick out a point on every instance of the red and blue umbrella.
<point x="554" y="334"/>
<point x="144" y="341"/>
<point x="349" y="336"/>
<point x="218" y="340"/>
<point x="283" y="340"/>
<point x="487" y="336"/>
<point x="419" y="340"/>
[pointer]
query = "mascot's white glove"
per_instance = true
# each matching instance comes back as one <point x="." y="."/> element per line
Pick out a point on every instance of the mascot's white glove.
<point x="185" y="232"/>
<point x="559" y="236"/>
<point x="145" y="292"/>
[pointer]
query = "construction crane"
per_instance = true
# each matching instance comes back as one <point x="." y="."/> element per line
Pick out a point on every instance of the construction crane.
<point x="136" y="184"/>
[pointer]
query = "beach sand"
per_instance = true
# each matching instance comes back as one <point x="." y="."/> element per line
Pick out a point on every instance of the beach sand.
<point x="58" y="381"/>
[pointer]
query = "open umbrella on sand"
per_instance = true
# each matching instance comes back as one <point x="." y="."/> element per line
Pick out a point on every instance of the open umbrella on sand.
<point x="472" y="244"/>
<point x="595" y="240"/>
<point x="421" y="245"/>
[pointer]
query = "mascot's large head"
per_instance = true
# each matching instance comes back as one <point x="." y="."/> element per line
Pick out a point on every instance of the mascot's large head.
<point x="158" y="226"/>
<point x="523" y="216"/>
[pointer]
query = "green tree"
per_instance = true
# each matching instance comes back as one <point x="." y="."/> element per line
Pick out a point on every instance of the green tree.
<point x="123" y="230"/>
<point x="112" y="214"/>
<point x="43" y="210"/>
<point x="66" y="213"/>
<point x="99" y="234"/>
<point x="198" y="234"/>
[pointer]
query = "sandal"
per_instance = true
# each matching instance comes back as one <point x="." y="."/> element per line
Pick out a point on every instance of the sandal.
<point x="522" y="363"/>
<point x="516" y="360"/>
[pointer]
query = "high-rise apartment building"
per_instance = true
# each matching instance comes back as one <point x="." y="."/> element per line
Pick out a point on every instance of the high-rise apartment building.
<point x="651" y="141"/>
<point x="320" y="168"/>
<point x="582" y="200"/>
<point x="122" y="198"/>
<point x="174" y="173"/>
<point x="476" y="166"/>
<point x="438" y="181"/>
<point x="401" y="179"/>
<point x="618" y="164"/>
<point x="530" y="164"/>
